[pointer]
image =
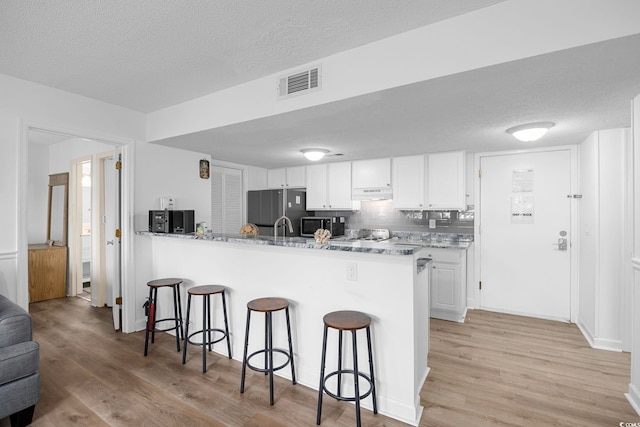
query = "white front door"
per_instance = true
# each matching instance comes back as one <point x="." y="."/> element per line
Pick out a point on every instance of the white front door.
<point x="525" y="213"/>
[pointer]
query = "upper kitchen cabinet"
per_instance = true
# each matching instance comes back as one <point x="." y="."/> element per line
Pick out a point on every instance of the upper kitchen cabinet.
<point x="329" y="186"/>
<point x="371" y="179"/>
<point x="445" y="181"/>
<point x="293" y="177"/>
<point x="408" y="182"/>
<point x="429" y="182"/>
<point x="371" y="173"/>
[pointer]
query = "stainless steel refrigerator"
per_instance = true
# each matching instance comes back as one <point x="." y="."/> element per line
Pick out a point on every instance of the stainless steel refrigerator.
<point x="265" y="206"/>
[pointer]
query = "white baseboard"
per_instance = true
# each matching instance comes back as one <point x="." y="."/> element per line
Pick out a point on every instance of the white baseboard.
<point x="607" y="344"/>
<point x="599" y="343"/>
<point x="633" y="396"/>
<point x="451" y="316"/>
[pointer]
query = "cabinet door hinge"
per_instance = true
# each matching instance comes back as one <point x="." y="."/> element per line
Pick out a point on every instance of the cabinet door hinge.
<point x="118" y="233"/>
<point x="480" y="284"/>
<point x="479" y="173"/>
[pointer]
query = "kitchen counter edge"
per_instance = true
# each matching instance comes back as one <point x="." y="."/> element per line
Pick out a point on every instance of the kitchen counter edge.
<point x="385" y="248"/>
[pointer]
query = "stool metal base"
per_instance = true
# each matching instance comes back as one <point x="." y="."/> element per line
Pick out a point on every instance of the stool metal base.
<point x="358" y="396"/>
<point x="266" y="369"/>
<point x="268" y="350"/>
<point x="207" y="330"/>
<point x="339" y="396"/>
<point x="151" y="327"/>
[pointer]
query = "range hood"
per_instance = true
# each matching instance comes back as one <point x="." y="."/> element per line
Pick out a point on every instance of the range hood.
<point x="374" y="193"/>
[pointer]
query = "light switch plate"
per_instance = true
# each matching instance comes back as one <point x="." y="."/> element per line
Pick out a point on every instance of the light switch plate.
<point x="432" y="223"/>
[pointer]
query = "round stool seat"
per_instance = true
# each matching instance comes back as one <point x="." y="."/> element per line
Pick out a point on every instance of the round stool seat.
<point x="206" y="290"/>
<point x="267" y="305"/>
<point x="159" y="283"/>
<point x="347" y="320"/>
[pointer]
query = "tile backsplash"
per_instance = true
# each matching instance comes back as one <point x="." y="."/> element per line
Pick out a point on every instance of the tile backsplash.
<point x="381" y="214"/>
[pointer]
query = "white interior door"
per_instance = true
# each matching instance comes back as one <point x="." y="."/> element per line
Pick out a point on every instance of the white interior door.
<point x="111" y="220"/>
<point x="524" y="214"/>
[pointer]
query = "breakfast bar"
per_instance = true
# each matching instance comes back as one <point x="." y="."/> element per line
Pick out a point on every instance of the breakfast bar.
<point x="383" y="281"/>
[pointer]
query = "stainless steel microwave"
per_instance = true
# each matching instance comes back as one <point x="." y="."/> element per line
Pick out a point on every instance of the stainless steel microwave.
<point x="309" y="225"/>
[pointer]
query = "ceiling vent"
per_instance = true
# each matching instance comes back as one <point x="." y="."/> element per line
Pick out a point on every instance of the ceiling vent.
<point x="299" y="83"/>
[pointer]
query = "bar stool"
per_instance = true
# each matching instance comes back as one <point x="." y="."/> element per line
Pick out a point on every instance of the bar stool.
<point x="206" y="291"/>
<point x="347" y="321"/>
<point x="267" y="306"/>
<point x="154" y="285"/>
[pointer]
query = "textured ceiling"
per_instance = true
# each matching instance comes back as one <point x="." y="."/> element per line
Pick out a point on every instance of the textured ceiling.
<point x="149" y="54"/>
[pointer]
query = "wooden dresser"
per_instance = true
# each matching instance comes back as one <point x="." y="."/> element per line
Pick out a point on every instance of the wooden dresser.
<point x="47" y="272"/>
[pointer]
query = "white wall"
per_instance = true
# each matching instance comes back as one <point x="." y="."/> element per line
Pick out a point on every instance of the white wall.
<point x="44" y="160"/>
<point x="257" y="178"/>
<point x="588" y="152"/>
<point x="602" y="234"/>
<point x="612" y="230"/>
<point x="634" y="386"/>
<point x="164" y="171"/>
<point x="62" y="153"/>
<point x="37" y="193"/>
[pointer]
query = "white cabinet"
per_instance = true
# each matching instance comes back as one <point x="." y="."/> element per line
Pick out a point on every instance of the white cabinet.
<point x="329" y="186"/>
<point x="374" y="173"/>
<point x="293" y="177"/>
<point x="430" y="182"/>
<point x="445" y="181"/>
<point x="448" y="280"/>
<point x="408" y="182"/>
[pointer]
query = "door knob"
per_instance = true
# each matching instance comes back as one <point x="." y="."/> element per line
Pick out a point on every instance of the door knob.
<point x="562" y="244"/>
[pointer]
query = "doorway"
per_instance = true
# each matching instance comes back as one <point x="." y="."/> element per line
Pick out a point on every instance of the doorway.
<point x="47" y="150"/>
<point x="94" y="255"/>
<point x="526" y="229"/>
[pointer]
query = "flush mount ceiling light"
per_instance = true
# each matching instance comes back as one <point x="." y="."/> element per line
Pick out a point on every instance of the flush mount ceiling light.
<point x="530" y="131"/>
<point x="314" y="154"/>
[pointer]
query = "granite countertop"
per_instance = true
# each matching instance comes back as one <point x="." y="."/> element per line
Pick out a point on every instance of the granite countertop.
<point x="443" y="244"/>
<point x="389" y="247"/>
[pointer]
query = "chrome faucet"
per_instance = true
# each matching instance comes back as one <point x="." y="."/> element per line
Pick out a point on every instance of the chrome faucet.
<point x="275" y="225"/>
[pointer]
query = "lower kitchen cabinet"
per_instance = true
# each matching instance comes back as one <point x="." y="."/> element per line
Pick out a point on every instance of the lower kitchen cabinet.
<point x="448" y="284"/>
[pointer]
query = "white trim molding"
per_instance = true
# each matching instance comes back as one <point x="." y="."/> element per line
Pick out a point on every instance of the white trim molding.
<point x="633" y="396"/>
<point x="8" y="255"/>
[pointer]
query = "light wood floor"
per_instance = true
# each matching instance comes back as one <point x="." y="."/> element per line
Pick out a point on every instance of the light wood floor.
<point x="495" y="369"/>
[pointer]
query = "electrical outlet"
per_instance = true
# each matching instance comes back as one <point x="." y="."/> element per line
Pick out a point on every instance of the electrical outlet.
<point x="352" y="271"/>
<point x="432" y="223"/>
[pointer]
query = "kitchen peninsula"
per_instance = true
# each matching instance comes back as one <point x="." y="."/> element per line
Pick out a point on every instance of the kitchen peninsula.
<point x="382" y="280"/>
